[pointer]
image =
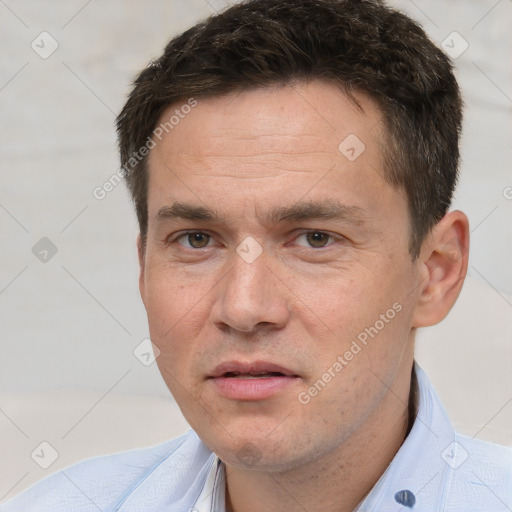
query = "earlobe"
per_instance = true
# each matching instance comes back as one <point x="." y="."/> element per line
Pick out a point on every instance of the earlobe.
<point x="444" y="263"/>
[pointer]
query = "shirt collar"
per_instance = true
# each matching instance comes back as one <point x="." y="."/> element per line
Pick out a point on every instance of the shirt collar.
<point x="212" y="496"/>
<point x="416" y="475"/>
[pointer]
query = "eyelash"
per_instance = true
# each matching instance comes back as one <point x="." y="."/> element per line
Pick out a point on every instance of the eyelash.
<point x="186" y="233"/>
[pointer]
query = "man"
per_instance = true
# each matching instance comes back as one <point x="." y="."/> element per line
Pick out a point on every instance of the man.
<point x="292" y="165"/>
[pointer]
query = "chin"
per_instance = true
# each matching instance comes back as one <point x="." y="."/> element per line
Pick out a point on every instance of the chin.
<point x="258" y="452"/>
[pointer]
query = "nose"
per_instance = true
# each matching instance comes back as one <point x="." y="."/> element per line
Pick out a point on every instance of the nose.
<point x="250" y="297"/>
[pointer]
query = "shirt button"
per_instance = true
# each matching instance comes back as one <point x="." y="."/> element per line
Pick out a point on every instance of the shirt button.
<point x="405" y="498"/>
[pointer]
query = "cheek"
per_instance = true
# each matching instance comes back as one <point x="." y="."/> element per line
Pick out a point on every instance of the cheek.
<point x="171" y="299"/>
<point x="178" y="366"/>
<point x="176" y="317"/>
<point x="339" y="307"/>
<point x="365" y="319"/>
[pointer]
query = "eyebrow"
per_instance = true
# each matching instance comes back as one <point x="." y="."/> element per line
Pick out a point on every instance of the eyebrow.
<point x="302" y="211"/>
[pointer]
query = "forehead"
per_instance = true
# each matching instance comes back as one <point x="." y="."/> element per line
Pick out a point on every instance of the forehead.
<point x="270" y="119"/>
<point x="270" y="146"/>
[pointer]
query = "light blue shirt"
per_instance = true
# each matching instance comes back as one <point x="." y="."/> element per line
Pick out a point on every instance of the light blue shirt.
<point x="434" y="470"/>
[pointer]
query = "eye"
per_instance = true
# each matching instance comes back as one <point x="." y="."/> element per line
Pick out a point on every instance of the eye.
<point x="201" y="240"/>
<point x="317" y="239"/>
<point x="195" y="239"/>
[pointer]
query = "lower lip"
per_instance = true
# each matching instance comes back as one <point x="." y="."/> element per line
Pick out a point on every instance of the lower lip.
<point x="251" y="389"/>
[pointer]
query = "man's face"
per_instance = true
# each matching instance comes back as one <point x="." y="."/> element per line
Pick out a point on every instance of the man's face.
<point x="285" y="296"/>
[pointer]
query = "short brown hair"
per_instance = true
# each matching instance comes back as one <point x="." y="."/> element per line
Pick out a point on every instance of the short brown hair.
<point x="359" y="45"/>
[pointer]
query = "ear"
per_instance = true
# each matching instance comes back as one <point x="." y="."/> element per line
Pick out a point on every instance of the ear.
<point x="443" y="267"/>
<point x="141" y="255"/>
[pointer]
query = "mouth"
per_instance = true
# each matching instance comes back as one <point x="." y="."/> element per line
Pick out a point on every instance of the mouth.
<point x="259" y="380"/>
<point x="264" y="375"/>
<point x="254" y="370"/>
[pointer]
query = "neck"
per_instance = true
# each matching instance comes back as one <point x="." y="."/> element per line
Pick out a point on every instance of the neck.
<point x="339" y="481"/>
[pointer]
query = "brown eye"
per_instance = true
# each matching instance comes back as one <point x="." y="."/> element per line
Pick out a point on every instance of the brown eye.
<point x="196" y="239"/>
<point x="317" y="239"/>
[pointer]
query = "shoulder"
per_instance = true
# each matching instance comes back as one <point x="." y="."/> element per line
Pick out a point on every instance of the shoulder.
<point x="108" y="482"/>
<point x="481" y="474"/>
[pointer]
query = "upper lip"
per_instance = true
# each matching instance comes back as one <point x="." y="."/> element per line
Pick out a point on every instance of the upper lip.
<point x="254" y="367"/>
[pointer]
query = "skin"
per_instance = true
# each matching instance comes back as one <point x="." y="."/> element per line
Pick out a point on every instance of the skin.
<point x="302" y="301"/>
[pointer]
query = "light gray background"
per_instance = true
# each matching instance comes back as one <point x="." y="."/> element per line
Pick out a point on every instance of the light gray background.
<point x="74" y="321"/>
